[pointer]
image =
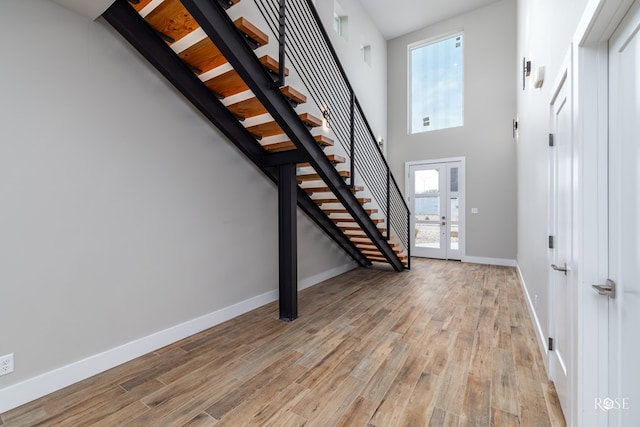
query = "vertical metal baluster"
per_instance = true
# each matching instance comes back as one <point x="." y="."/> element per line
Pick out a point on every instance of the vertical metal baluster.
<point x="353" y="148"/>
<point x="408" y="242"/>
<point x="388" y="204"/>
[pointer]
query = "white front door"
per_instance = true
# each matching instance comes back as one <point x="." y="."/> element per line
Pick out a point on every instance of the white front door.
<point x="623" y="404"/>
<point x="561" y="296"/>
<point x="436" y="199"/>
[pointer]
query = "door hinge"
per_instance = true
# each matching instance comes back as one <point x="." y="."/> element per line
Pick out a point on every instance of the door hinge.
<point x="551" y="242"/>
<point x="550" y="344"/>
<point x="551" y="140"/>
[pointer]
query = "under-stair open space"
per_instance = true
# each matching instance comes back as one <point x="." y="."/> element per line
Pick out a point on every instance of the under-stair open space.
<point x="445" y="344"/>
<point x="176" y="26"/>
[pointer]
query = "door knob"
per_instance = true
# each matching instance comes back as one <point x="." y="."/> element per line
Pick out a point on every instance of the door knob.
<point x="563" y="269"/>
<point x="609" y="289"/>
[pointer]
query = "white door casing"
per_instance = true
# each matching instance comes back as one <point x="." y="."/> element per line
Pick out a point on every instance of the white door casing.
<point x="561" y="294"/>
<point x="623" y="404"/>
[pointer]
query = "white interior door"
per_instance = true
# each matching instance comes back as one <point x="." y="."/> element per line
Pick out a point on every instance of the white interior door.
<point x="436" y="199"/>
<point x="624" y="233"/>
<point x="561" y="295"/>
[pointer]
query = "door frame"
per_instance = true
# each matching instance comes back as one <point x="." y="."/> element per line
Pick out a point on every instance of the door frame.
<point x="590" y="56"/>
<point x="462" y="212"/>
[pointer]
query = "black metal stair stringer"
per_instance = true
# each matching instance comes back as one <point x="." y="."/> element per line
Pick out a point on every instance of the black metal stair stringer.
<point x="220" y="29"/>
<point x="132" y="27"/>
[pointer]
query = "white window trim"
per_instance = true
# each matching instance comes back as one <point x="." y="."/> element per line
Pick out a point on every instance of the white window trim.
<point x="414" y="45"/>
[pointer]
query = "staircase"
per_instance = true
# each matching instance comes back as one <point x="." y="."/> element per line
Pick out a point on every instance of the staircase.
<point x="216" y="63"/>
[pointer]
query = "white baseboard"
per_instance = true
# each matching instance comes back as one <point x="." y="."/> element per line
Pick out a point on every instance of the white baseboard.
<point x="41" y="385"/>
<point x="491" y="261"/>
<point x="534" y="318"/>
<point x="325" y="275"/>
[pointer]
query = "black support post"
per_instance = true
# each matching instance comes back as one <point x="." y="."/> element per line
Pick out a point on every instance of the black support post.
<point x="282" y="28"/>
<point x="287" y="241"/>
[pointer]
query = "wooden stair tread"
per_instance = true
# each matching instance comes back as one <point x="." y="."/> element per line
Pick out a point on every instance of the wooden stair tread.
<point x="381" y="259"/>
<point x="316" y="177"/>
<point x="363" y="248"/>
<point x="227" y="84"/>
<point x="367" y="242"/>
<point x="293" y="95"/>
<point x="374" y="220"/>
<point x="172" y="19"/>
<point x="333" y="158"/>
<point x="349" y="229"/>
<point x="288" y="145"/>
<point x="377" y="256"/>
<point x="321" y="201"/>
<point x="141" y="4"/>
<point x="325" y="189"/>
<point x="310" y="120"/>
<point x="248" y="108"/>
<point x="252" y="107"/>
<point x="251" y="31"/>
<point x="344" y="211"/>
<point x="323" y="140"/>
<point x="272" y="128"/>
<point x="205" y="55"/>
<point x="272" y="64"/>
<point x="230" y="83"/>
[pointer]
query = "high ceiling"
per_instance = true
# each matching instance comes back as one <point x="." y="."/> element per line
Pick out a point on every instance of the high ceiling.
<point x="397" y="17"/>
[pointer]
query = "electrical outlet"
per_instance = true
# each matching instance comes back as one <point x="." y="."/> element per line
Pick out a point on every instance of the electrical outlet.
<point x="6" y="364"/>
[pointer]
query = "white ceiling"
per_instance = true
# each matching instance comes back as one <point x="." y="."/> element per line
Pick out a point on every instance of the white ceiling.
<point x="398" y="17"/>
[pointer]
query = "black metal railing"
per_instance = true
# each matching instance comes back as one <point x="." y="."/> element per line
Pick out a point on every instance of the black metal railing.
<point x="308" y="48"/>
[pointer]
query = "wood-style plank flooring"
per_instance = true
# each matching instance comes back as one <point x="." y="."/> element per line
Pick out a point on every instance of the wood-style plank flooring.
<point x="445" y="344"/>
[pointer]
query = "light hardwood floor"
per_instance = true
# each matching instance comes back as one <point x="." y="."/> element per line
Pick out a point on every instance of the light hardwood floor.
<point x="445" y="344"/>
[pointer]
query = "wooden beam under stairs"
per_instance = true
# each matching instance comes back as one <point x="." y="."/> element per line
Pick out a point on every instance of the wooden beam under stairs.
<point x="252" y="107"/>
<point x="272" y="128"/>
<point x="277" y="147"/>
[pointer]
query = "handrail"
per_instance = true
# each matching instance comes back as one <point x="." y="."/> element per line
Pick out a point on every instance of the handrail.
<point x="331" y="90"/>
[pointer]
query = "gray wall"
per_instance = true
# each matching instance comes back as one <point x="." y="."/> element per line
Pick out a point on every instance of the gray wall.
<point x="123" y="212"/>
<point x="485" y="139"/>
<point x="545" y="29"/>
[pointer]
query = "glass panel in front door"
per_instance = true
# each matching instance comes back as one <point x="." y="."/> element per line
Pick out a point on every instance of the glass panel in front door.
<point x="427" y="181"/>
<point x="427" y="214"/>
<point x="454" y="227"/>
<point x="428" y="209"/>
